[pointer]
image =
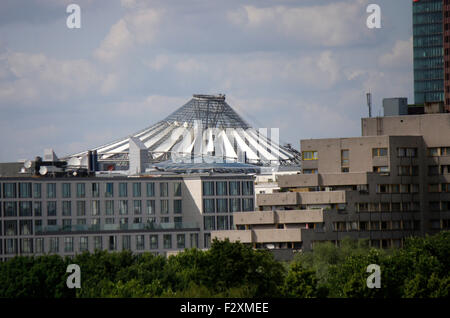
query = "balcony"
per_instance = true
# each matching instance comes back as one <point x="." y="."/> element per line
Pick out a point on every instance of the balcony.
<point x="275" y="217"/>
<point x="259" y="236"/>
<point x="116" y="227"/>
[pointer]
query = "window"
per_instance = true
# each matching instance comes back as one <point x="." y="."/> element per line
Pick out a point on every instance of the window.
<point x="445" y="187"/>
<point x="445" y="151"/>
<point x="163" y="189"/>
<point x="81" y="208"/>
<point x="123" y="207"/>
<point x="51" y="208"/>
<point x="81" y="190"/>
<point x="221" y="188"/>
<point x="66" y="190"/>
<point x="95" y="205"/>
<point x="363" y="207"/>
<point x="247" y="205"/>
<point x="84" y="246"/>
<point x="235" y="188"/>
<point x="9" y="190"/>
<point x="395" y="188"/>
<point x="54" y="245"/>
<point x="181" y="241"/>
<point x="209" y="223"/>
<point x="345" y="169"/>
<point x="208" y="188"/>
<point x="150" y="207"/>
<point x="150" y="189"/>
<point x="167" y="241"/>
<point x="51" y="222"/>
<point x="37" y="207"/>
<point x="433" y="152"/>
<point x="310" y="171"/>
<point x="433" y="187"/>
<point x="140" y="242"/>
<point x="68" y="244"/>
<point x="37" y="190"/>
<point x="408" y="170"/>
<point x="222" y="205"/>
<point x="123" y="222"/>
<point x="433" y="170"/>
<point x="235" y="205"/>
<point x="26" y="227"/>
<point x="177" y="189"/>
<point x="137" y="206"/>
<point x="177" y="206"/>
<point x="247" y="188"/>
<point x="164" y="206"/>
<point x="98" y="244"/>
<point x="194" y="240"/>
<point x="109" y="207"/>
<point x="222" y="223"/>
<point x="381" y="169"/>
<point x="435" y="206"/>
<point x="39" y="245"/>
<point x="96" y="190"/>
<point x="208" y="206"/>
<point x="395" y="206"/>
<point x="10" y="208"/>
<point x="51" y="190"/>
<point x="164" y="219"/>
<point x="123" y="189"/>
<point x="136" y="189"/>
<point x="345" y="156"/>
<point x="309" y="155"/>
<point x="112" y="244"/>
<point x="207" y="240"/>
<point x="153" y="242"/>
<point x="445" y="169"/>
<point x="25" y="190"/>
<point x="379" y="152"/>
<point x="126" y="242"/>
<point x="25" y="208"/>
<point x="67" y="208"/>
<point x="109" y="191"/>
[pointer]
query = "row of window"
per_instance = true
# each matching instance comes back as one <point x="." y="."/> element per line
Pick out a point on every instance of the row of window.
<point x="30" y="208"/>
<point x="377" y="225"/>
<point x="29" y="190"/>
<point x="227" y="205"/>
<point x="218" y="188"/>
<point x="387" y="206"/>
<point x="36" y="245"/>
<point x="438" y="187"/>
<point x="221" y="222"/>
<point x="397" y="188"/>
<point x="25" y="227"/>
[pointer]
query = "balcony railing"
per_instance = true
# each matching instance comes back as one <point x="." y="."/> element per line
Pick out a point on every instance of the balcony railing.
<point x="115" y="227"/>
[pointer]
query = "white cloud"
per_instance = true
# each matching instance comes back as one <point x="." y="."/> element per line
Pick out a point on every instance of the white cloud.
<point x="335" y="24"/>
<point x="400" y="56"/>
<point x="137" y="27"/>
<point x="33" y="78"/>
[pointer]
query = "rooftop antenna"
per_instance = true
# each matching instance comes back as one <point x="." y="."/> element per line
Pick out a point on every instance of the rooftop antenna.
<point x="369" y="103"/>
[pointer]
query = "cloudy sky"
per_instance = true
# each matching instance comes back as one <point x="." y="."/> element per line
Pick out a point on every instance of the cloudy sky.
<point x="303" y="66"/>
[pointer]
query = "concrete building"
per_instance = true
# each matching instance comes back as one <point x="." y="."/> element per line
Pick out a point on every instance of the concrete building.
<point x="391" y="183"/>
<point x="158" y="212"/>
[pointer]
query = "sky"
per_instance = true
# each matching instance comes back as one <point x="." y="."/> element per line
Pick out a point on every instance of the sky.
<point x="303" y="66"/>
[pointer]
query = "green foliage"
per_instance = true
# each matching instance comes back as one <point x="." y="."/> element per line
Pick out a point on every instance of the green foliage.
<point x="420" y="269"/>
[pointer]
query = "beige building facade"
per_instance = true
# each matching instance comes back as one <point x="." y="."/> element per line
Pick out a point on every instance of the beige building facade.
<point x="389" y="184"/>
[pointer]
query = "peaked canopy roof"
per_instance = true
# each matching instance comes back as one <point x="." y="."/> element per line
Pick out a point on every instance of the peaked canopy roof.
<point x="205" y="127"/>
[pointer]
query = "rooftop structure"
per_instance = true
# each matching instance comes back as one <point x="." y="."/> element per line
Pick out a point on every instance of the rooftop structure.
<point x="205" y="129"/>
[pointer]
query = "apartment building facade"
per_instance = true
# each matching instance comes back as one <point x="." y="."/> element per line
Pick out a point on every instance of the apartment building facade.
<point x="391" y="183"/>
<point x="156" y="213"/>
